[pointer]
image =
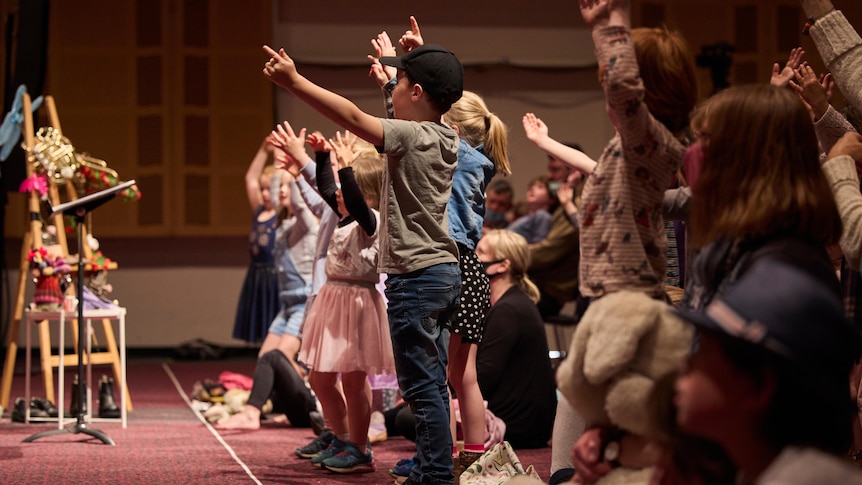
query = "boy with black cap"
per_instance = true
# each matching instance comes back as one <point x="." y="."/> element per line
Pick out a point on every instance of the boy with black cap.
<point x="768" y="379"/>
<point x="416" y="253"/>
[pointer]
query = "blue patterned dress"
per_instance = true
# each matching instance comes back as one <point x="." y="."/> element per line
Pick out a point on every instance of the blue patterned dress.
<point x="258" y="301"/>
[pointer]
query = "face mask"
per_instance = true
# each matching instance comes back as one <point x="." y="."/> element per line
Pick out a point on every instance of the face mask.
<point x="553" y="187"/>
<point x="487" y="264"/>
<point x="495" y="218"/>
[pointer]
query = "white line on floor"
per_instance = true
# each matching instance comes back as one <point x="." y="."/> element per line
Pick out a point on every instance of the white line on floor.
<point x="206" y="423"/>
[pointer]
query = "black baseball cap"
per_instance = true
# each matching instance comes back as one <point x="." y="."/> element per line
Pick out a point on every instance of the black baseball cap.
<point x="433" y="67"/>
<point x="787" y="312"/>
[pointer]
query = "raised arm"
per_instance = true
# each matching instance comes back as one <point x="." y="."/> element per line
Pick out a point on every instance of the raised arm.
<point x="782" y="76"/>
<point x="839" y="45"/>
<point x="537" y="132"/>
<point x="281" y="70"/>
<point x="252" y="174"/>
<point x="354" y="199"/>
<point x="840" y="171"/>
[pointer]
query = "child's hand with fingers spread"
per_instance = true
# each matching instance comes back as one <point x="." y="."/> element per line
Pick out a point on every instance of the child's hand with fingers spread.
<point x="318" y="142"/>
<point x="411" y="38"/>
<point x="280" y="68"/>
<point x="287" y="140"/>
<point x="815" y="92"/>
<point x="382" y="48"/>
<point x="780" y="77"/>
<point x="342" y="149"/>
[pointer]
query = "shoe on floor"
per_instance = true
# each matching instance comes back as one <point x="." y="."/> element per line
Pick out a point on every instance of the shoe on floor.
<point x="350" y="460"/>
<point x="334" y="448"/>
<point x="377" y="428"/>
<point x="44" y="405"/>
<point x="402" y="469"/>
<point x="19" y="413"/>
<point x="315" y="447"/>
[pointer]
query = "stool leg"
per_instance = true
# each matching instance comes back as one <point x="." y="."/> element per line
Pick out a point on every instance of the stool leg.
<point x="111" y="343"/>
<point x="45" y="353"/>
<point x="9" y="364"/>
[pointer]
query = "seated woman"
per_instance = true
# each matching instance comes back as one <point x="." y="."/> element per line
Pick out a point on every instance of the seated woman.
<point x="512" y="363"/>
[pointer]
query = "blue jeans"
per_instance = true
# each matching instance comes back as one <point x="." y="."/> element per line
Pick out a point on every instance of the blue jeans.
<point x="421" y="304"/>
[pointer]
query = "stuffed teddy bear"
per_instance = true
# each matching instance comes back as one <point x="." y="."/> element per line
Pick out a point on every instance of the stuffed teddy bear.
<point x="624" y="343"/>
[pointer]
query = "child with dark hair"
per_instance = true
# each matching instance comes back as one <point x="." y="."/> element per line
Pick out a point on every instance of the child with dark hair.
<point x="536" y="224"/>
<point x="768" y="378"/>
<point x="416" y="252"/>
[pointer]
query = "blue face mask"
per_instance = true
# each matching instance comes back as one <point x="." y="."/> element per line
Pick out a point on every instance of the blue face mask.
<point x="495" y="218"/>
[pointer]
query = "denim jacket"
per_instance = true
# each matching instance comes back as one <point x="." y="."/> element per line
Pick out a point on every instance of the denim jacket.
<point x="467" y="203"/>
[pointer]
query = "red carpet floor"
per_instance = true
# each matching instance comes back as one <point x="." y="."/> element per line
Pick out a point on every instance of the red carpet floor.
<point x="166" y="442"/>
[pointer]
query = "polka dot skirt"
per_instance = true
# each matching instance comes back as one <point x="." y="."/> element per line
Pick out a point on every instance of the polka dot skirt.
<point x="475" y="299"/>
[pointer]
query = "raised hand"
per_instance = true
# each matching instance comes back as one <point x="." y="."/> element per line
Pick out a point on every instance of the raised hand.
<point x="850" y="144"/>
<point x="292" y="144"/>
<point x="781" y="77"/>
<point x="815" y="92"/>
<point x="280" y="68"/>
<point x="534" y="128"/>
<point x="411" y="38"/>
<point x="342" y="148"/>
<point x="382" y="47"/>
<point x="318" y="142"/>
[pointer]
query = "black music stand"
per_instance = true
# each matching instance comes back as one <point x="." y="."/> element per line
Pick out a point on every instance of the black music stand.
<point x="80" y="208"/>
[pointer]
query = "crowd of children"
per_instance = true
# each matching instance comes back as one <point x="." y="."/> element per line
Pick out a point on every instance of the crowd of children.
<point x="409" y="199"/>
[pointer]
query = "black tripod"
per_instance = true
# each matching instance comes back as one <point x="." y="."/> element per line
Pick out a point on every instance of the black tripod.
<point x="79" y="208"/>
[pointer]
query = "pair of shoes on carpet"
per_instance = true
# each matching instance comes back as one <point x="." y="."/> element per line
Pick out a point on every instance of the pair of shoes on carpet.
<point x="350" y="460"/>
<point x="39" y="408"/>
<point x="333" y="449"/>
<point x="319" y="444"/>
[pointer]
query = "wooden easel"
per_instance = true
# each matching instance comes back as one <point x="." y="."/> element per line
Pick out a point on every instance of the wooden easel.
<point x="33" y="240"/>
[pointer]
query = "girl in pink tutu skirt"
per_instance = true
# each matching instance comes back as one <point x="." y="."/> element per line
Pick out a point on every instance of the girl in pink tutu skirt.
<point x="347" y="331"/>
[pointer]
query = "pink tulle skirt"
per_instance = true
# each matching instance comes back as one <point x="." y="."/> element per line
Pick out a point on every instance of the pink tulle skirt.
<point x="347" y="330"/>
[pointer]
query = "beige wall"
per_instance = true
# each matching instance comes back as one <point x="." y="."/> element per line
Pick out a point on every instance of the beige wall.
<point x="176" y="291"/>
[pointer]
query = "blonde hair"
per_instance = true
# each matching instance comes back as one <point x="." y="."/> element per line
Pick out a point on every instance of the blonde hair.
<point x="513" y="247"/>
<point x="368" y="171"/>
<point x="478" y="126"/>
<point x="266" y="174"/>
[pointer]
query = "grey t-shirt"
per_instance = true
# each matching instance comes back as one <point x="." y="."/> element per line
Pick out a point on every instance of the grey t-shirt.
<point x="417" y="183"/>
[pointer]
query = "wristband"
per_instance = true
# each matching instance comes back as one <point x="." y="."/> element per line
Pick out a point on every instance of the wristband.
<point x="812" y="20"/>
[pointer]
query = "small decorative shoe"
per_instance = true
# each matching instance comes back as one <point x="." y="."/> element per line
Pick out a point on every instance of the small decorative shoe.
<point x="107" y="407"/>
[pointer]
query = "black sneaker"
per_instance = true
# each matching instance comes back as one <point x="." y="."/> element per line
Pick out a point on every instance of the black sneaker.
<point x="319" y="444"/>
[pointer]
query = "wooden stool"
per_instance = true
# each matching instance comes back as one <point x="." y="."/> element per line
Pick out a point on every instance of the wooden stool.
<point x="114" y="355"/>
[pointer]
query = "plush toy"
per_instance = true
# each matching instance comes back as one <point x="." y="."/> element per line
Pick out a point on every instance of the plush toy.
<point x="622" y="346"/>
<point x="47" y="271"/>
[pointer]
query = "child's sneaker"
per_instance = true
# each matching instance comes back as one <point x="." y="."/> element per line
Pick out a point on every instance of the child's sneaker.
<point x="402" y="469"/>
<point x="350" y="460"/>
<point x="334" y="448"/>
<point x="315" y="447"/>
